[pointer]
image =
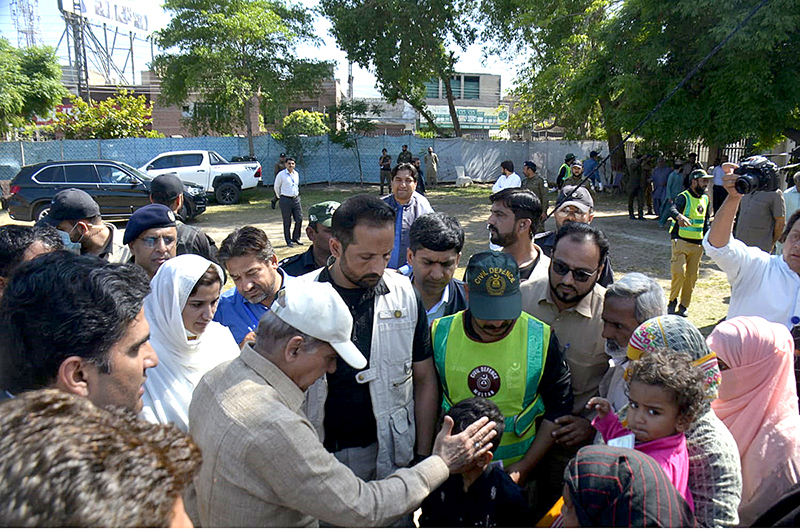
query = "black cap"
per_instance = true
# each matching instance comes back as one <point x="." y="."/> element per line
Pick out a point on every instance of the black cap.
<point x="166" y="187"/>
<point x="147" y="217"/>
<point x="70" y="204"/>
<point x="531" y="165"/>
<point x="493" y="281"/>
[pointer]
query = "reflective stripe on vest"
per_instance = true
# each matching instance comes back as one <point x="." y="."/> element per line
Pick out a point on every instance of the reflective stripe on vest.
<point x="695" y="211"/>
<point x="464" y="372"/>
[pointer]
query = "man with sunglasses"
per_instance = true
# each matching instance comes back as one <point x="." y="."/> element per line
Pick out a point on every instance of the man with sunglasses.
<point x="152" y="236"/>
<point x="570" y="301"/>
<point x="579" y="208"/>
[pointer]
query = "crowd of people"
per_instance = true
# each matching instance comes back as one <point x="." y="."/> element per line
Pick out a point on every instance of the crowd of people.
<point x="360" y="381"/>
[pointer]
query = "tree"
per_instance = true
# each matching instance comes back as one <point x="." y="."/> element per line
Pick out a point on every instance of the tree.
<point x="599" y="66"/>
<point x="404" y="44"/>
<point x="232" y="53"/>
<point x="298" y="125"/>
<point x="120" y="116"/>
<point x="353" y="115"/>
<point x="30" y="84"/>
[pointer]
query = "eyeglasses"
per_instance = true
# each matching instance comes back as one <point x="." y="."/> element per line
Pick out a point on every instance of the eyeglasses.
<point x="152" y="241"/>
<point x="580" y="275"/>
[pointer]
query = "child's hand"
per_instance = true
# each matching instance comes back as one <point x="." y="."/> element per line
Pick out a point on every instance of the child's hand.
<point x="602" y="406"/>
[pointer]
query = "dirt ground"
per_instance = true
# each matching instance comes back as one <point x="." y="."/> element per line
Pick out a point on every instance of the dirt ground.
<point x="636" y="246"/>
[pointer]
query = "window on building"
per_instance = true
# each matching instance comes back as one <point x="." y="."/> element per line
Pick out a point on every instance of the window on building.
<point x="455" y="84"/>
<point x="472" y="87"/>
<point x="432" y="88"/>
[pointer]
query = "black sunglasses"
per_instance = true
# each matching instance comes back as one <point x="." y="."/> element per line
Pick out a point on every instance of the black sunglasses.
<point x="580" y="275"/>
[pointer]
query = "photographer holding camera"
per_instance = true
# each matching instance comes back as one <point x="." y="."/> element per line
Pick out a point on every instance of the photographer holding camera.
<point x="761" y="284"/>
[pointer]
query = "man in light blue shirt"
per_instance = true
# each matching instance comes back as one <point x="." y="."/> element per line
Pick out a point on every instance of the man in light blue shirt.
<point x="252" y="265"/>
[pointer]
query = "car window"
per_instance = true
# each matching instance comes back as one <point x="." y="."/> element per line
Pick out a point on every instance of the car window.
<point x="165" y="162"/>
<point x="53" y="174"/>
<point x="194" y="159"/>
<point x="81" y="174"/>
<point x="112" y="175"/>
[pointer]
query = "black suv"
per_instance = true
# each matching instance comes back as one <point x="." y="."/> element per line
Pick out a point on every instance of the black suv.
<point x="118" y="189"/>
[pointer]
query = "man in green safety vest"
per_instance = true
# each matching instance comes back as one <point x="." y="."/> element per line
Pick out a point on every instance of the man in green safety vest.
<point x="689" y="215"/>
<point x="495" y="351"/>
<point x="565" y="171"/>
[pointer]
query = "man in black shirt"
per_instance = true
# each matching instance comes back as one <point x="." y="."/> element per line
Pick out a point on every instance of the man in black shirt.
<point x="168" y="190"/>
<point x="318" y="231"/>
<point x="372" y="416"/>
<point x="515" y="214"/>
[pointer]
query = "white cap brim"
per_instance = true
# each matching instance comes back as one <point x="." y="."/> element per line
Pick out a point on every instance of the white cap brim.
<point x="579" y="205"/>
<point x="350" y="354"/>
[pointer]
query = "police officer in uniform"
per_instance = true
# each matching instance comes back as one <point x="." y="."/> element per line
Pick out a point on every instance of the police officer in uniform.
<point x="318" y="231"/>
<point x="689" y="215"/>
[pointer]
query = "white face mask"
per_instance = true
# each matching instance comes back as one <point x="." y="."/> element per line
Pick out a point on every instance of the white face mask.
<point x="618" y="354"/>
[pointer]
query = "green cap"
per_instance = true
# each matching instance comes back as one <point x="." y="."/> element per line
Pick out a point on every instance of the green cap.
<point x="322" y="212"/>
<point x="700" y="174"/>
<point x="493" y="281"/>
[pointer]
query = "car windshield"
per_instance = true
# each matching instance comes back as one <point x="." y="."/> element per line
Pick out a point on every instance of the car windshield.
<point x="141" y="175"/>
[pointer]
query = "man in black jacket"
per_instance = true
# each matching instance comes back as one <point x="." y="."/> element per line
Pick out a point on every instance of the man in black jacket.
<point x="168" y="190"/>
<point x="435" y="243"/>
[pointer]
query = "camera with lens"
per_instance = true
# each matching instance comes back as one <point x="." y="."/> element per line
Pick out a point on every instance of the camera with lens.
<point x="756" y="173"/>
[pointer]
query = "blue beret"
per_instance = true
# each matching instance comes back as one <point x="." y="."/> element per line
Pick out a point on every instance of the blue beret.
<point x="147" y="217"/>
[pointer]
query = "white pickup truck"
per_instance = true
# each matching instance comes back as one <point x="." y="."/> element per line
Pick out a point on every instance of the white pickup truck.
<point x="224" y="179"/>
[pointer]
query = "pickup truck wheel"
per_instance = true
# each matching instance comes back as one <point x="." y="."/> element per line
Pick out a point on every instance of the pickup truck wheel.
<point x="227" y="193"/>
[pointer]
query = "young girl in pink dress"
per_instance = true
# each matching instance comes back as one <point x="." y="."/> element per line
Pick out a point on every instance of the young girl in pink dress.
<point x="665" y="396"/>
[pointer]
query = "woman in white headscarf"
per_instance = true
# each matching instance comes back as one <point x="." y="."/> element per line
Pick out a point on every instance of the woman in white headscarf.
<point x="180" y="309"/>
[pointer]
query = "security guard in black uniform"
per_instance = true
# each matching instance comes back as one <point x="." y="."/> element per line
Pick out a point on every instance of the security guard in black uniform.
<point x="318" y="231"/>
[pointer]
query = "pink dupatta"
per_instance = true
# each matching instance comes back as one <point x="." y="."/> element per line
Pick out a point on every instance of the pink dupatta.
<point x="758" y="397"/>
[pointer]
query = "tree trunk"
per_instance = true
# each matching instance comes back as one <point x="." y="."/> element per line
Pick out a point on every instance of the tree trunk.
<point x="358" y="157"/>
<point x="618" y="162"/>
<point x="249" y="124"/>
<point x="448" y="88"/>
<point x="425" y="113"/>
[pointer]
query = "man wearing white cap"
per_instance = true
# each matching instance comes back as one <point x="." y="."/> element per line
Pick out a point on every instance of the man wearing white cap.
<point x="263" y="462"/>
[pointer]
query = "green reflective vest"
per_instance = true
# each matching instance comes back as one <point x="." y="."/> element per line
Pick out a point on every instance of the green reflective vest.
<point x="695" y="210"/>
<point x="507" y="372"/>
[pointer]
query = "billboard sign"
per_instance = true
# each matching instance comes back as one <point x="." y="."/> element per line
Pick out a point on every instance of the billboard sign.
<point x="471" y="117"/>
<point x="127" y="15"/>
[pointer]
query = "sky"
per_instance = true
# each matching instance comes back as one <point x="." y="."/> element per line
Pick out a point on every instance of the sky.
<point x="51" y="26"/>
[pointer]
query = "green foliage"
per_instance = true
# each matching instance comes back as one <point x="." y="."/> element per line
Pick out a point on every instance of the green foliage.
<point x="121" y="116"/>
<point x="403" y="43"/>
<point x="30" y="83"/>
<point x="354" y="117"/>
<point x="228" y="52"/>
<point x="299" y="130"/>
<point x="598" y="67"/>
<point x="303" y="122"/>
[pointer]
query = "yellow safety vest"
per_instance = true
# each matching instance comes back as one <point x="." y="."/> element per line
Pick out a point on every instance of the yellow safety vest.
<point x="507" y="372"/>
<point x="695" y="211"/>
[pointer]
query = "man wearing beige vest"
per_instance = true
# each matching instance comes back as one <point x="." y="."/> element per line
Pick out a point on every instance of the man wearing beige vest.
<point x="570" y="301"/>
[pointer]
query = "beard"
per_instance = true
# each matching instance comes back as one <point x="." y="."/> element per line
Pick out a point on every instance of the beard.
<point x="366" y="281"/>
<point x="502" y="240"/>
<point x="568" y="294"/>
<point x="617" y="353"/>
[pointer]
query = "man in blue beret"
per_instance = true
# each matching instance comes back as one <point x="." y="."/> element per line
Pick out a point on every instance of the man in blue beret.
<point x="152" y="236"/>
